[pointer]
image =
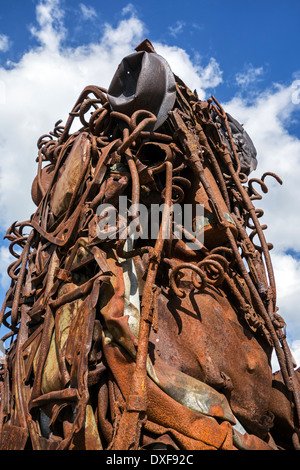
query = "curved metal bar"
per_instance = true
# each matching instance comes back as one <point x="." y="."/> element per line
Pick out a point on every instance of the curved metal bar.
<point x="196" y="269"/>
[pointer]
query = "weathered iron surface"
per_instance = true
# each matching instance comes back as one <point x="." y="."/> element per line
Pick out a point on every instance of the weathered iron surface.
<point x="122" y="345"/>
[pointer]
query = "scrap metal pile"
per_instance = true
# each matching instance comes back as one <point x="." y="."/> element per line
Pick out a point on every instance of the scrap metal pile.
<point x="121" y="342"/>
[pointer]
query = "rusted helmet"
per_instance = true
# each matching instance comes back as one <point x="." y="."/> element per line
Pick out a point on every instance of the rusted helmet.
<point x="143" y="80"/>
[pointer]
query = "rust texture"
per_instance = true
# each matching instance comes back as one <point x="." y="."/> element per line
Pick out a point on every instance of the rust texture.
<point x="147" y="345"/>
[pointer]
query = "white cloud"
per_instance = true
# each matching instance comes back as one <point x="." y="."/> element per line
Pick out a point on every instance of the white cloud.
<point x="5" y="260"/>
<point x="266" y="120"/>
<point x="2" y="93"/>
<point x="43" y="86"/>
<point x="251" y="75"/>
<point x="177" y="28"/>
<point x="50" y="21"/>
<point x="195" y="75"/>
<point x="88" y="12"/>
<point x="211" y="75"/>
<point x="129" y="9"/>
<point x="295" y="348"/>
<point x="4" y="43"/>
<point x="287" y="271"/>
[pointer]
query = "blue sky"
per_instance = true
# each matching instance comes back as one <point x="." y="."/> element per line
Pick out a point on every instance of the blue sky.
<point x="245" y="53"/>
<point x="237" y="34"/>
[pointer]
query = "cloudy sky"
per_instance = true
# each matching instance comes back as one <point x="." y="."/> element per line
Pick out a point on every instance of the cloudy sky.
<point x="244" y="53"/>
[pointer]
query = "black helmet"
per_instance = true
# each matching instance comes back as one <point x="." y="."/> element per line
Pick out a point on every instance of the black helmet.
<point x="143" y="80"/>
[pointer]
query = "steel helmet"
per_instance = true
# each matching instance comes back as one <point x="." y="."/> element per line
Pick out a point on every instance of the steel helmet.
<point x="143" y="80"/>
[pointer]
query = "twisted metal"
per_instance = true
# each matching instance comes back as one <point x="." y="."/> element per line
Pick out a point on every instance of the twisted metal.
<point x="50" y="253"/>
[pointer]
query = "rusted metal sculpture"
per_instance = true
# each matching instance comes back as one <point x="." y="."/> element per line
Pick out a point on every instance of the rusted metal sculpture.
<point x="144" y="344"/>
